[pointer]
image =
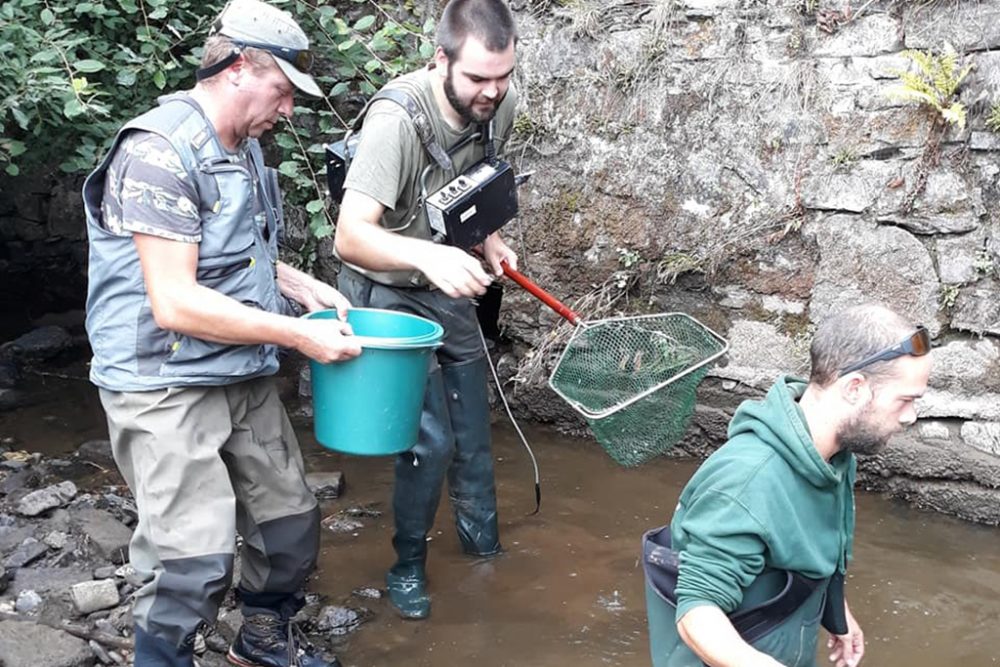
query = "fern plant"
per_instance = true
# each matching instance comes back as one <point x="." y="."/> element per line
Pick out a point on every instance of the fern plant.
<point x="993" y="117"/>
<point x="934" y="83"/>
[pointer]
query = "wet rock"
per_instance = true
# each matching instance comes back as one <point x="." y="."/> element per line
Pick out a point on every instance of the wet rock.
<point x="106" y="572"/>
<point x="29" y="551"/>
<point x="108" y="537"/>
<point x="49" y="580"/>
<point x="214" y="641"/>
<point x="26" y="644"/>
<point x="91" y="596"/>
<point x="131" y="577"/>
<point x="27" y="602"/>
<point x="984" y="436"/>
<point x="342" y="524"/>
<point x="370" y="511"/>
<point x="228" y="623"/>
<point x="10" y="373"/>
<point x="56" y="539"/>
<point x="40" y="344"/>
<point x="96" y="451"/>
<point x="12" y="535"/>
<point x="338" y="621"/>
<point x="100" y="653"/>
<point x="45" y="499"/>
<point x="326" y="485"/>
<point x="21" y="479"/>
<point x="12" y="398"/>
<point x="368" y="593"/>
<point x="120" y="620"/>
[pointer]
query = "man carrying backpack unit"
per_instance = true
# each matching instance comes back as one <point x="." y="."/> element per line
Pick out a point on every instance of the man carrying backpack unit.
<point x="390" y="261"/>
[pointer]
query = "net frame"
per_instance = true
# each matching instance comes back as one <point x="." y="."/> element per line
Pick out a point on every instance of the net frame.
<point x="584" y="326"/>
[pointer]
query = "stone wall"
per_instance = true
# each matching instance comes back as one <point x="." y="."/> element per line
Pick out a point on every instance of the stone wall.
<point x="43" y="249"/>
<point x="741" y="162"/>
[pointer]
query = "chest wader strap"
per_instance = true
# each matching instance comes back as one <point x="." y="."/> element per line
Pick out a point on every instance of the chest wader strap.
<point x="421" y="123"/>
<point x="661" y="566"/>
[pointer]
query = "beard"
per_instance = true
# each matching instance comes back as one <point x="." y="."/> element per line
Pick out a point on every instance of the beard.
<point x="863" y="435"/>
<point x="465" y="109"/>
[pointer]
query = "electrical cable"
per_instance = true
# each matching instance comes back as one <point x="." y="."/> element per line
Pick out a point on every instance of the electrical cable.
<point x="517" y="427"/>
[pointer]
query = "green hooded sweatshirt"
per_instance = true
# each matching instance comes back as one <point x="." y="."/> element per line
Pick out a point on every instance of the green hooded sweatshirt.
<point x="765" y="500"/>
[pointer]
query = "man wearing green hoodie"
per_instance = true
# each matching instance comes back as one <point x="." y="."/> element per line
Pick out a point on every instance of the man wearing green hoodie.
<point x="773" y="508"/>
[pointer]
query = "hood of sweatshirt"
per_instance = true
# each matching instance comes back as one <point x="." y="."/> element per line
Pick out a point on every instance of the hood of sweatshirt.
<point x="779" y="422"/>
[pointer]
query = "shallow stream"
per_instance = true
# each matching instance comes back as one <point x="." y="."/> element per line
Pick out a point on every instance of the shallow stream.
<point x="569" y="590"/>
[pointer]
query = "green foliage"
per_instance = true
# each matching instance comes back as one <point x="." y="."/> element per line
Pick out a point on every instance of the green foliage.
<point x="843" y="159"/>
<point x="934" y="83"/>
<point x="993" y="117"/>
<point x="72" y="73"/>
<point x="948" y="296"/>
<point x="983" y="262"/>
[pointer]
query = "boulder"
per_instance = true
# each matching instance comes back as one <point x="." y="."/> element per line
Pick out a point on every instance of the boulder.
<point x="108" y="537"/>
<point x="96" y="451"/>
<point x="40" y="344"/>
<point x="27" y="552"/>
<point x="862" y="261"/>
<point x="23" y="643"/>
<point x="45" y="499"/>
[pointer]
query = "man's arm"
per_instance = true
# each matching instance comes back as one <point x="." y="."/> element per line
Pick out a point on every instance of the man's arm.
<point x="362" y="241"/>
<point x="708" y="632"/>
<point x="311" y="293"/>
<point x="180" y="304"/>
<point x="847" y="650"/>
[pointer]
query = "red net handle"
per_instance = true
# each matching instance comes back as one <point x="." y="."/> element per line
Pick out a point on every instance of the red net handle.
<point x="555" y="304"/>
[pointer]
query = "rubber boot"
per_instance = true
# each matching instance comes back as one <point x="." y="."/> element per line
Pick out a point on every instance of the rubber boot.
<point x="470" y="476"/>
<point x="420" y="473"/>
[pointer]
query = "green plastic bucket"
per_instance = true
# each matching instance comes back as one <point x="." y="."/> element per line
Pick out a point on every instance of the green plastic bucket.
<point x="370" y="405"/>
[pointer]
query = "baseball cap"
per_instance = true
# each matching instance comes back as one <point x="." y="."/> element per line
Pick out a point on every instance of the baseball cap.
<point x="256" y="24"/>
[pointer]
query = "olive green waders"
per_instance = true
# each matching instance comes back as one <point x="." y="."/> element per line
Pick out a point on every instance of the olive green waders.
<point x="204" y="463"/>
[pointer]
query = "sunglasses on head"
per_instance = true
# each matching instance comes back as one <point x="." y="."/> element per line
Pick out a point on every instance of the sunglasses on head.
<point x="916" y="345"/>
<point x="301" y="59"/>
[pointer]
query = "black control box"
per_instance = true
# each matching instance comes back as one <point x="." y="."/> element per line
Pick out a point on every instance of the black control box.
<point x="474" y="205"/>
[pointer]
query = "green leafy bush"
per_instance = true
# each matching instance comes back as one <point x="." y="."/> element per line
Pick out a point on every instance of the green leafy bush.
<point x="71" y="73"/>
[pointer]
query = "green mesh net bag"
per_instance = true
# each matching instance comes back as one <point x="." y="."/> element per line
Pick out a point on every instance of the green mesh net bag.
<point x="634" y="380"/>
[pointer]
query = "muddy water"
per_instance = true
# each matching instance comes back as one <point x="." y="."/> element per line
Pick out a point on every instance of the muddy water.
<point x="569" y="591"/>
